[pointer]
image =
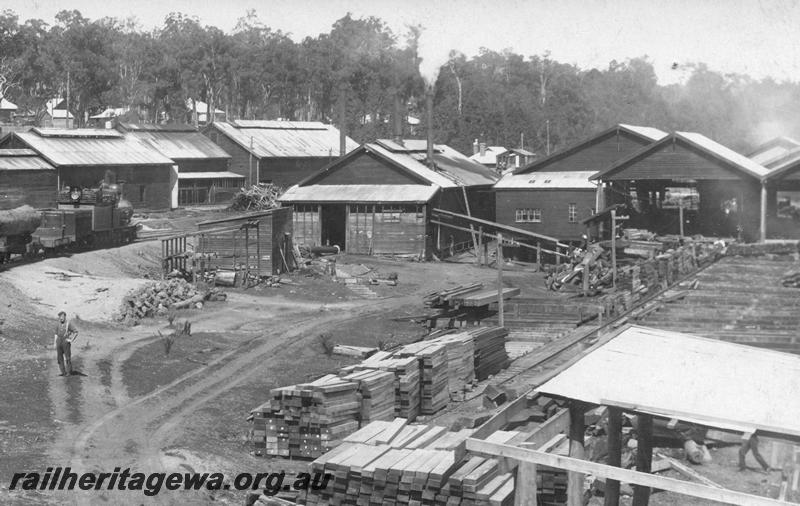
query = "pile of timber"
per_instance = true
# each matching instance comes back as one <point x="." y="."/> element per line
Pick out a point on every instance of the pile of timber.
<point x="433" y="365"/>
<point x="391" y="462"/>
<point x="306" y="420"/>
<point x="460" y="348"/>
<point x="443" y="298"/>
<point x="406" y="372"/>
<point x="760" y="249"/>
<point x="157" y="298"/>
<point x="19" y="221"/>
<point x="490" y="350"/>
<point x="377" y="394"/>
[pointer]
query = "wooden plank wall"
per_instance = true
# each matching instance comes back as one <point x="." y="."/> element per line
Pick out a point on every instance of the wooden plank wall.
<point x="275" y="228"/>
<point x="400" y="238"/>
<point x="306" y="224"/>
<point x="360" y="226"/>
<point x="36" y="188"/>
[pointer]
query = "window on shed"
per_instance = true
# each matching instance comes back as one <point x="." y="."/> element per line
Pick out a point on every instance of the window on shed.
<point x="572" y="213"/>
<point x="391" y="214"/>
<point x="528" y="215"/>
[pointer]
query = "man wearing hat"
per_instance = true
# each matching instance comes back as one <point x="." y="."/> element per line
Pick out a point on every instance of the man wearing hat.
<point x="65" y="334"/>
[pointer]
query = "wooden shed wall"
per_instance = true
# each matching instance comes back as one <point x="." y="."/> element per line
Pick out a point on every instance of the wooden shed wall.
<point x="203" y="165"/>
<point x="271" y="230"/>
<point x="676" y="161"/>
<point x="365" y="168"/>
<point x="145" y="187"/>
<point x="240" y="161"/>
<point x="306" y="224"/>
<point x="285" y="172"/>
<point x="386" y="229"/>
<point x="597" y="156"/>
<point x="36" y="188"/>
<point x="554" y="205"/>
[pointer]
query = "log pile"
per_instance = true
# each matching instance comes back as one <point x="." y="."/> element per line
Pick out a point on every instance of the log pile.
<point x="157" y="298"/>
<point x="408" y="464"/>
<point x="19" y="221"/>
<point x="306" y="420"/>
<point x="258" y="197"/>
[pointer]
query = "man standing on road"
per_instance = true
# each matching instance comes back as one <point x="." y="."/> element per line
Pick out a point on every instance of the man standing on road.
<point x="65" y="334"/>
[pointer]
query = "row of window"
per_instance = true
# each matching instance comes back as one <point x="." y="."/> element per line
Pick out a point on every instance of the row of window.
<point x="534" y="215"/>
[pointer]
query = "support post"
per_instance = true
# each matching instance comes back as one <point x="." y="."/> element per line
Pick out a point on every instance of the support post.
<point x="525" y="485"/>
<point x="576" y="450"/>
<point x="680" y="216"/>
<point x="539" y="255"/>
<point x="558" y="257"/>
<point x="486" y="252"/>
<point x="644" y="457"/>
<point x="499" y="262"/>
<point x="614" y="248"/>
<point x="763" y="211"/>
<point x="479" y="247"/>
<point x="614" y="432"/>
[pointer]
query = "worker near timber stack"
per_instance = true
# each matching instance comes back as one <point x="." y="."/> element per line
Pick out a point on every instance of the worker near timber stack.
<point x="752" y="445"/>
<point x="65" y="335"/>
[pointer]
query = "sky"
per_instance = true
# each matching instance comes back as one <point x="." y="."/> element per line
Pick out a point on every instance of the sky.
<point x="754" y="37"/>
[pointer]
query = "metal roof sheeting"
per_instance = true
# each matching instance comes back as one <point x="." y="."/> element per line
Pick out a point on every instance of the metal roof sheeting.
<point x="180" y="145"/>
<point x="727" y="154"/>
<point x="285" y="139"/>
<point x="651" y="133"/>
<point x="23" y="161"/>
<point x="366" y="193"/>
<point x="210" y="175"/>
<point x="80" y="149"/>
<point x="548" y="180"/>
<point x="691" y="378"/>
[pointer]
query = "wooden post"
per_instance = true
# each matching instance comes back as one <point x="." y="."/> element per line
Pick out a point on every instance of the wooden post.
<point x="486" y="253"/>
<point x="558" y="257"/>
<point x="479" y="247"/>
<point x="680" y="216"/>
<point x="525" y="485"/>
<point x="614" y="431"/>
<point x="539" y="255"/>
<point x="499" y="262"/>
<point x="763" y="211"/>
<point x="576" y="450"/>
<point x="644" y="457"/>
<point x="614" y="248"/>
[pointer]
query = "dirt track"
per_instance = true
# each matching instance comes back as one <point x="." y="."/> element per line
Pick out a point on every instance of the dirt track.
<point x="193" y="420"/>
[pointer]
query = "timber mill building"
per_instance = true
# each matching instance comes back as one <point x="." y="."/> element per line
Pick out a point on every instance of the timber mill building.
<point x="379" y="199"/>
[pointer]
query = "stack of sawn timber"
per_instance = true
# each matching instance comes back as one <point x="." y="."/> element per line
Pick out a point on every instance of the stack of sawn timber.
<point x="490" y="350"/>
<point x="395" y="463"/>
<point x="377" y="394"/>
<point x="460" y="349"/>
<point x="406" y="380"/>
<point x="443" y="298"/>
<point x="433" y="363"/>
<point x="306" y="420"/>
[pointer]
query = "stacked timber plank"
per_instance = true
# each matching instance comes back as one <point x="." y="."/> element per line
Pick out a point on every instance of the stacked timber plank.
<point x="377" y="394"/>
<point x="490" y="350"/>
<point x="391" y="462"/>
<point x="433" y="366"/>
<point x="442" y="298"/>
<point x="406" y="382"/>
<point x="306" y="420"/>
<point x="460" y="348"/>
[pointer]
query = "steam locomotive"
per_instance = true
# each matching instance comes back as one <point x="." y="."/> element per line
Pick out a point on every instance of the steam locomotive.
<point x="85" y="218"/>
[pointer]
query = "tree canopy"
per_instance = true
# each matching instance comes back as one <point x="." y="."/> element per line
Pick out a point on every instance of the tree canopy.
<point x="256" y="72"/>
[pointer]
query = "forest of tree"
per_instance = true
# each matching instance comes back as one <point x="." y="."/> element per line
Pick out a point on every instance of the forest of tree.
<point x="256" y="72"/>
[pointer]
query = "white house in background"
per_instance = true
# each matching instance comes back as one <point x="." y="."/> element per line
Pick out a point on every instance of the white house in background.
<point x="499" y="158"/>
<point x="202" y="112"/>
<point x="7" y="110"/>
<point x="57" y="115"/>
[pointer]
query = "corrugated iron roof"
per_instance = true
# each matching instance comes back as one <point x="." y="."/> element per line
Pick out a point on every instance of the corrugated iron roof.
<point x="367" y="193"/>
<point x="22" y="159"/>
<point x="548" y="180"/>
<point x="180" y="145"/>
<point x="658" y="372"/>
<point x="727" y="154"/>
<point x="210" y="175"/>
<point x="773" y="148"/>
<point x="62" y="149"/>
<point x="148" y="127"/>
<point x="284" y="139"/>
<point x="651" y="133"/>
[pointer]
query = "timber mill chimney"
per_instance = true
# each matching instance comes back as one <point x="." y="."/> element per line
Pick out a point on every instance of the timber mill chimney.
<point x="429" y="114"/>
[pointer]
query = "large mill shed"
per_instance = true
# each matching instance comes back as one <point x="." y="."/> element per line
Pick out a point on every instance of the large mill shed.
<point x="551" y="196"/>
<point x="86" y="157"/>
<point x="203" y="175"/>
<point x="278" y="152"/>
<point x="378" y="199"/>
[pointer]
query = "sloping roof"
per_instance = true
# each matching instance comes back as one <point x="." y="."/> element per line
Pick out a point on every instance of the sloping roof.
<point x="7" y="105"/>
<point x="700" y="142"/>
<point x="201" y="107"/>
<point x="646" y="134"/>
<point x="55" y="110"/>
<point x="490" y="154"/>
<point x="368" y="193"/>
<point x="690" y="378"/>
<point x="90" y="147"/>
<point x="177" y="144"/>
<point x="285" y="139"/>
<point x="788" y="164"/>
<point x="548" y="180"/>
<point x="210" y="175"/>
<point x="22" y="159"/>
<point x="775" y="148"/>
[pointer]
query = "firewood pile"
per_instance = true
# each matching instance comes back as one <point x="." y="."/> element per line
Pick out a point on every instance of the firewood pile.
<point x="158" y="298"/>
<point x="258" y="197"/>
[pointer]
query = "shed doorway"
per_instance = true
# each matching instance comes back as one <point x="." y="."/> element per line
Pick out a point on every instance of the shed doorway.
<point x="334" y="225"/>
